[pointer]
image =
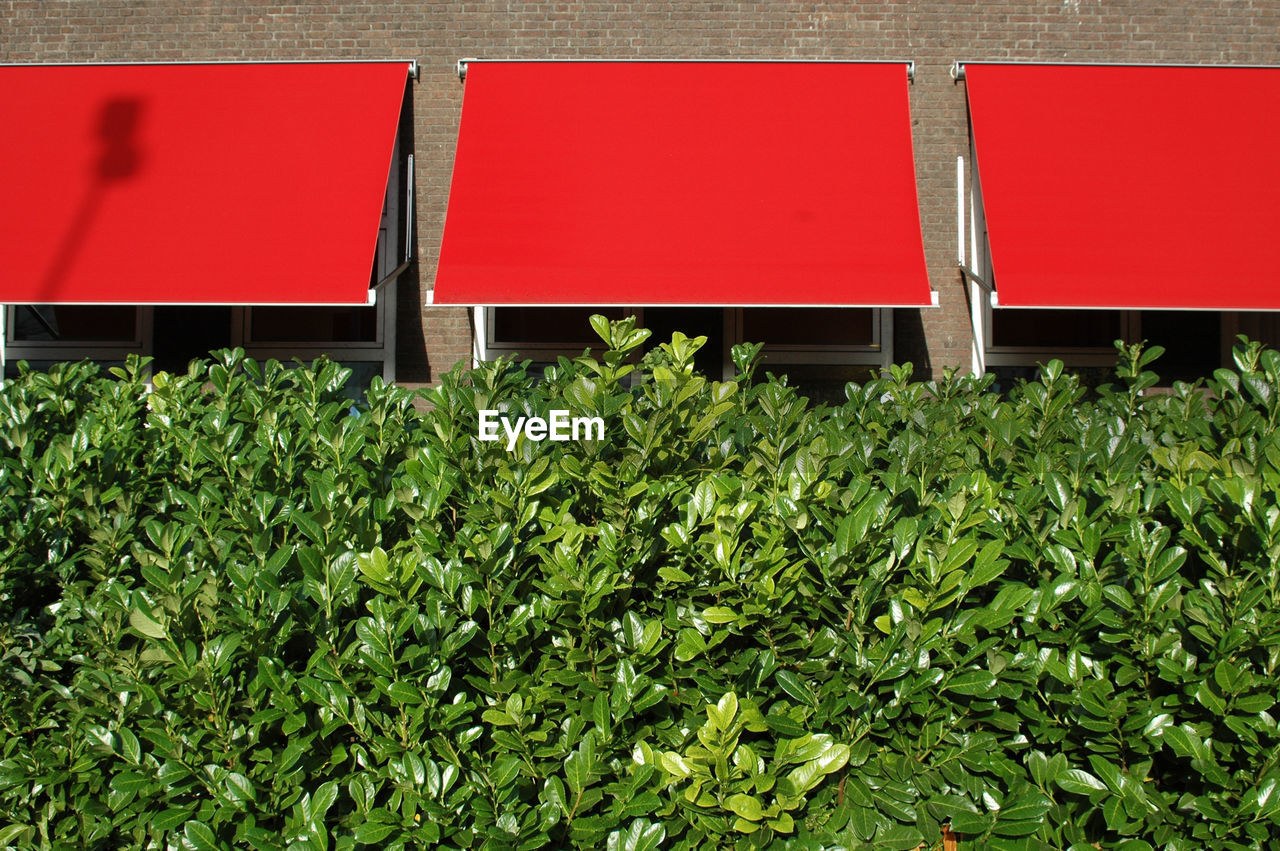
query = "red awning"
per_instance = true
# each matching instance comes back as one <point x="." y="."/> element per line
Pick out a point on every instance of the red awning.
<point x="670" y="183"/>
<point x="1129" y="187"/>
<point x="194" y="184"/>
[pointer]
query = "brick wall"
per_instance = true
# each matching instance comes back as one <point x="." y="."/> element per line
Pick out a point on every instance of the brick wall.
<point x="934" y="33"/>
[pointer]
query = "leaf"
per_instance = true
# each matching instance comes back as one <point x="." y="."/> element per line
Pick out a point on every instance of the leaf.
<point x="988" y="566"/>
<point x="146" y="623"/>
<point x="506" y="771"/>
<point x="642" y="835"/>
<point x="10" y="834"/>
<point x="402" y="692"/>
<point x="808" y="776"/>
<point x="1080" y="782"/>
<point x="200" y="837"/>
<point x="719" y="615"/>
<point x="745" y="806"/>
<point x="689" y="645"/>
<point x="130" y="781"/>
<point x="374" y="565"/>
<point x="795" y="687"/>
<point x="675" y="765"/>
<point x="900" y="837"/>
<point x="721" y="715"/>
<point x="130" y="746"/>
<point x="972" y="823"/>
<point x="373" y="833"/>
<point x="238" y="789"/>
<point x="323" y="798"/>
<point x="580" y="766"/>
<point x="972" y="683"/>
<point x="1028" y="806"/>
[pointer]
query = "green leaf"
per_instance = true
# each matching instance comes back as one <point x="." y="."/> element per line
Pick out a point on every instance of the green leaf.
<point x="130" y="781"/>
<point x="971" y="823"/>
<point x="745" y="806"/>
<point x="131" y="748"/>
<point x="675" y="764"/>
<point x="506" y="771"/>
<point x="10" y="833"/>
<point x="975" y="683"/>
<point x="808" y="776"/>
<point x="721" y="714"/>
<point x="796" y="688"/>
<point x="900" y="837"/>
<point x="689" y="645"/>
<point x="238" y="788"/>
<point x="642" y="835"/>
<point x="402" y="692"/>
<point x="373" y="833"/>
<point x="1023" y="815"/>
<point x="719" y="615"/>
<point x="146" y="623"/>
<point x="580" y="766"/>
<point x="1080" y="782"/>
<point x="200" y="837"/>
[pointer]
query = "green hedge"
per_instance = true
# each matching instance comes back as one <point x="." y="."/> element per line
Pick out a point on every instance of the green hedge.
<point x="238" y="611"/>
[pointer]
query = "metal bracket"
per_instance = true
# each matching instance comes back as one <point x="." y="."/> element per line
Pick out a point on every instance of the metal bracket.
<point x="957" y="71"/>
<point x="911" y="71"/>
<point x="974" y="277"/>
<point x="462" y="68"/>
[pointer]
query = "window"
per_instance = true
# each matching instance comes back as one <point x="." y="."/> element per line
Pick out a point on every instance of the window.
<point x="831" y="345"/>
<point x="46" y="333"/>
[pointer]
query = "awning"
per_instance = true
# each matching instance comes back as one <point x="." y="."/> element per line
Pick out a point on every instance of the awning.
<point x="195" y="184"/>
<point x="670" y="183"/>
<point x="1129" y="187"/>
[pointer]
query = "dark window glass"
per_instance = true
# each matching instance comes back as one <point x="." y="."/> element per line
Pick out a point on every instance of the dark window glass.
<point x="75" y="323"/>
<point x="1192" y="340"/>
<point x="548" y="324"/>
<point x="692" y="322"/>
<point x="821" y="382"/>
<point x="313" y="325"/>
<point x="1064" y="328"/>
<point x="799" y="326"/>
<point x="1263" y="327"/>
<point x="182" y="333"/>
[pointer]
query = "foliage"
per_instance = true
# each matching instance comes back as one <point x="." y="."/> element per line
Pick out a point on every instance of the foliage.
<point x="238" y="611"/>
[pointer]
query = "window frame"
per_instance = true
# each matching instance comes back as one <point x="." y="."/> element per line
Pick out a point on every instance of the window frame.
<point x="878" y="353"/>
<point x="13" y="349"/>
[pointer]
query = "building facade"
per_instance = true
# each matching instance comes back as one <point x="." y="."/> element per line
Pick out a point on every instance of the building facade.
<point x="414" y="339"/>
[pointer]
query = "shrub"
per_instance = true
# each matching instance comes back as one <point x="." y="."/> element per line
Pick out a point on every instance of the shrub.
<point x="238" y="611"/>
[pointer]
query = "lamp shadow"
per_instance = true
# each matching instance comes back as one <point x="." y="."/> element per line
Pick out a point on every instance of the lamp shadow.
<point x="120" y="158"/>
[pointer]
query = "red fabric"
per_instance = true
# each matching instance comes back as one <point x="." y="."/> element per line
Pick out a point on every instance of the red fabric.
<point x="190" y="184"/>
<point x="734" y="183"/>
<point x="1129" y="187"/>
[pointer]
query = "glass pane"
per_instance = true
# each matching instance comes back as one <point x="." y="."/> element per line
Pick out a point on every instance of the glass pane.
<point x="1263" y="327"/>
<point x="1192" y="340"/>
<point x="821" y="382"/>
<point x="799" y="326"/>
<point x="693" y="322"/>
<point x="1091" y="377"/>
<point x="1043" y="329"/>
<point x="313" y="325"/>
<point x="185" y="332"/>
<point x="548" y="324"/>
<point x="11" y="366"/>
<point x="362" y="372"/>
<point x="75" y="323"/>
